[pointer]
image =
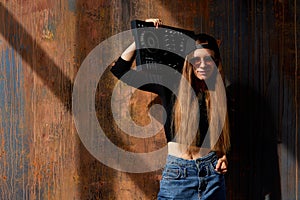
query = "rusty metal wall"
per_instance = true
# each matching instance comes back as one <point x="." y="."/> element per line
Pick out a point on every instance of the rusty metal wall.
<point x="42" y="45"/>
<point x="261" y="59"/>
<point x="260" y="52"/>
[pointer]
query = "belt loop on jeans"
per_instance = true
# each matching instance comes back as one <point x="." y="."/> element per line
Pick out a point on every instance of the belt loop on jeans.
<point x="184" y="173"/>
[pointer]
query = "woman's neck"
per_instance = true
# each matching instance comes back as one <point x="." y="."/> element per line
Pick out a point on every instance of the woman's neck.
<point x="199" y="86"/>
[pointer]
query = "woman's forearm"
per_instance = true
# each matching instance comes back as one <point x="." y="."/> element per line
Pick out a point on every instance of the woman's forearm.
<point x="128" y="54"/>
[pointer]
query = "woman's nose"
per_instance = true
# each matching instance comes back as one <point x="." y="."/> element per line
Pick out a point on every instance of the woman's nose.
<point x="202" y="64"/>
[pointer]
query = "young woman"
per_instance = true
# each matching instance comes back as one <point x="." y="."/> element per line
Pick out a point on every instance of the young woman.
<point x="195" y="168"/>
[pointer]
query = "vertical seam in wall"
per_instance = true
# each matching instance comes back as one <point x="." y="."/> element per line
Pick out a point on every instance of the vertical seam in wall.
<point x="296" y="98"/>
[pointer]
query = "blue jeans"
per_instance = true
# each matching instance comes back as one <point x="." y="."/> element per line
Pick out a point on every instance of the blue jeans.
<point x="192" y="179"/>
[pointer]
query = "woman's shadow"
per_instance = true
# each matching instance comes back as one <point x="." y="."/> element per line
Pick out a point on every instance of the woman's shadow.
<point x="253" y="171"/>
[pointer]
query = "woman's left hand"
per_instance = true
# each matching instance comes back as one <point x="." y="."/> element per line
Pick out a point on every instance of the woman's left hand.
<point x="221" y="166"/>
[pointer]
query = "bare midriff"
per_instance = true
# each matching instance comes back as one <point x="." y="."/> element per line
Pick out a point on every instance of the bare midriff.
<point x="191" y="153"/>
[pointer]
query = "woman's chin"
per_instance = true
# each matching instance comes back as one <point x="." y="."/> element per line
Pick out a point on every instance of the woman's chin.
<point x="202" y="76"/>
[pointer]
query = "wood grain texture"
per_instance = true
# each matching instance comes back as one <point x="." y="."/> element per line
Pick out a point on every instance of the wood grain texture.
<point x="42" y="45"/>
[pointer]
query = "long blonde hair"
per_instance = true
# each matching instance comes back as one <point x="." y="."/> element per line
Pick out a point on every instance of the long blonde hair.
<point x="186" y="110"/>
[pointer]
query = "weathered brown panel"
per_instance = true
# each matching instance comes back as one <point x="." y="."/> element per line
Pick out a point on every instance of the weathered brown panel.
<point x="43" y="44"/>
<point x="40" y="34"/>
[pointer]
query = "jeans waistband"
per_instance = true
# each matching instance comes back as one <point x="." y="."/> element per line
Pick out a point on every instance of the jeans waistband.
<point x="210" y="157"/>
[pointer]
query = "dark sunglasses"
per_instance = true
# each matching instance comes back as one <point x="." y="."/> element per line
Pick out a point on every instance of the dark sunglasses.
<point x="198" y="60"/>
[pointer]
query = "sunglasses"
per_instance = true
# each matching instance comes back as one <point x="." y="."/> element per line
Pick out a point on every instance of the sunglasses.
<point x="196" y="61"/>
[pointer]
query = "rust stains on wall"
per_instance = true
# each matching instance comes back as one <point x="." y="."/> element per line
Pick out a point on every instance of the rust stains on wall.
<point x="42" y="46"/>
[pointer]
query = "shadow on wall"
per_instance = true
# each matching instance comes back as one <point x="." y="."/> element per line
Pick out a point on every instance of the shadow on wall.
<point x="253" y="159"/>
<point x="39" y="61"/>
<point x="98" y="181"/>
<point x="253" y="170"/>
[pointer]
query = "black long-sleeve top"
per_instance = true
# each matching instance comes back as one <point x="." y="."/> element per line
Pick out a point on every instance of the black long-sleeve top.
<point x="166" y="95"/>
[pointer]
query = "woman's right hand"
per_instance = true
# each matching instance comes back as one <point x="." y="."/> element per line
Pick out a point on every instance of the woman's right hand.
<point x="222" y="165"/>
<point x="155" y="21"/>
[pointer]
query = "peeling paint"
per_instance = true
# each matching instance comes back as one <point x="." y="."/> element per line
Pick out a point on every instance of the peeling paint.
<point x="14" y="144"/>
<point x="72" y="5"/>
<point x="53" y="165"/>
<point x="47" y="34"/>
<point x="49" y="28"/>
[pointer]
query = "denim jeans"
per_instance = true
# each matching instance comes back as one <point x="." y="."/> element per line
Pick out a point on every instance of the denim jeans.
<point x="192" y="179"/>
